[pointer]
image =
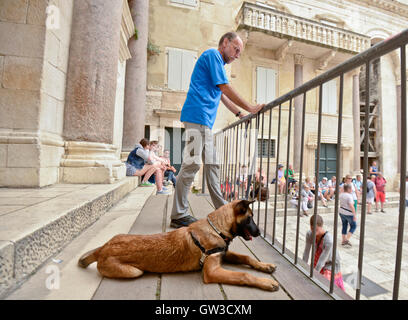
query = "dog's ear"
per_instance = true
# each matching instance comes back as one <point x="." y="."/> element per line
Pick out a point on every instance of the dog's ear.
<point x="242" y="206"/>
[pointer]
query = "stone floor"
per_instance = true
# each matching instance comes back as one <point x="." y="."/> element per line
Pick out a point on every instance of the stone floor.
<point x="379" y="250"/>
<point x="381" y="232"/>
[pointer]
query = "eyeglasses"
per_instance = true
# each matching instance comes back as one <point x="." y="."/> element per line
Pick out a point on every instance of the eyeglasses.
<point x="237" y="49"/>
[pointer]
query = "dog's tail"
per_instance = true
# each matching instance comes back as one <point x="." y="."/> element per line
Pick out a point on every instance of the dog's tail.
<point x="88" y="258"/>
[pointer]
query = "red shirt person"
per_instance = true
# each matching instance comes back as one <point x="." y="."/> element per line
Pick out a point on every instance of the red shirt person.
<point x="380" y="184"/>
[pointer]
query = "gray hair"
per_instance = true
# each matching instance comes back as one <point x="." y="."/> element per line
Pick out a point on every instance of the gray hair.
<point x="229" y="35"/>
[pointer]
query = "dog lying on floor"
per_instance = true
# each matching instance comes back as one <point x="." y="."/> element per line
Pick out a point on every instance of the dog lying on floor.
<point x="201" y="245"/>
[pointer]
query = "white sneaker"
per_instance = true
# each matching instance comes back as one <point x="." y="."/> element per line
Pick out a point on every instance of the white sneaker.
<point x="163" y="192"/>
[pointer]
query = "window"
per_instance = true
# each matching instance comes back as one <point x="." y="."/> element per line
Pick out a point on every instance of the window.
<point x="263" y="148"/>
<point x="329" y="97"/>
<point x="180" y="67"/>
<point x="265" y="85"/>
<point x="190" y="3"/>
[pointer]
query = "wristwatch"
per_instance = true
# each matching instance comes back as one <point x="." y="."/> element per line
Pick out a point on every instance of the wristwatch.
<point x="238" y="114"/>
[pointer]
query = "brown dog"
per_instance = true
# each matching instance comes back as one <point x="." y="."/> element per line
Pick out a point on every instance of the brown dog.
<point x="203" y="244"/>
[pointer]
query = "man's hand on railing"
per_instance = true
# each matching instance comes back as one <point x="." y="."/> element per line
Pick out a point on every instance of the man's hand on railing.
<point x="257" y="108"/>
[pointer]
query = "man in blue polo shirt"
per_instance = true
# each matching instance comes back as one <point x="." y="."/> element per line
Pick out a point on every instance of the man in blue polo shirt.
<point x="209" y="84"/>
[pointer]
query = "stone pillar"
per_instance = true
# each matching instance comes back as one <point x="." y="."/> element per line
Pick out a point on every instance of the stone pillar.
<point x="297" y="126"/>
<point x="136" y="71"/>
<point x="356" y="120"/>
<point x="90" y="94"/>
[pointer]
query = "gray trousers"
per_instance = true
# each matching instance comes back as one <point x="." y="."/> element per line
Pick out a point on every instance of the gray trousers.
<point x="199" y="149"/>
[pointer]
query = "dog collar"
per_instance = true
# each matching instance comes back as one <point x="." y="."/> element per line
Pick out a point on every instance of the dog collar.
<point x="204" y="253"/>
<point x="223" y="236"/>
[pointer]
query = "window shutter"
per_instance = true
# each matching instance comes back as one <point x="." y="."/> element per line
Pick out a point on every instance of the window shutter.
<point x="333" y="97"/>
<point x="329" y="97"/>
<point x="270" y="85"/>
<point x="260" y="85"/>
<point x="265" y="85"/>
<point x="174" y="69"/>
<point x="188" y="62"/>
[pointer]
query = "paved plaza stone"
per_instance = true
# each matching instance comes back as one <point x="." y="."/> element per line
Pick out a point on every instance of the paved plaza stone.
<point x="381" y="230"/>
<point x="379" y="249"/>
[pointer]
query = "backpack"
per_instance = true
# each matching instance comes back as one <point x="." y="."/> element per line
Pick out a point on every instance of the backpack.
<point x="368" y="189"/>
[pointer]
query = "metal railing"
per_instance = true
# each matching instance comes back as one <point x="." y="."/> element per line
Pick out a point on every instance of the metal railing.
<point x="237" y="144"/>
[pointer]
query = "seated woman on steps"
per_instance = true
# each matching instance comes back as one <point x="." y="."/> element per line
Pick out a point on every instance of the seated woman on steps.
<point x="136" y="165"/>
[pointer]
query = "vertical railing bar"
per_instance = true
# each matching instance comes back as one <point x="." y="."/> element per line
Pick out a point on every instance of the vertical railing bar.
<point x="260" y="168"/>
<point x="231" y="135"/>
<point x="255" y="158"/>
<point x="240" y="158"/>
<point x="365" y="170"/>
<point x="403" y="169"/>
<point x="267" y="172"/>
<point x="226" y="164"/>
<point x="233" y="164"/>
<point x="236" y="162"/>
<point x="276" y="177"/>
<point x="244" y="162"/>
<point x="336" y="202"/>
<point x="300" y="175"/>
<point x="287" y="184"/>
<point x="319" y="135"/>
<point x="224" y="146"/>
<point x="249" y="162"/>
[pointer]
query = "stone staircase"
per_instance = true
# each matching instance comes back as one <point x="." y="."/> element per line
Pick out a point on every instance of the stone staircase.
<point x="35" y="224"/>
<point x="392" y="201"/>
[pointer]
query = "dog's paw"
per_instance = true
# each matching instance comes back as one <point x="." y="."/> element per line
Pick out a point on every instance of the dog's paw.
<point x="270" y="285"/>
<point x="267" y="267"/>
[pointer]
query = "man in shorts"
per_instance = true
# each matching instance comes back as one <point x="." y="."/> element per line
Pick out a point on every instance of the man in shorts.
<point x="371" y="193"/>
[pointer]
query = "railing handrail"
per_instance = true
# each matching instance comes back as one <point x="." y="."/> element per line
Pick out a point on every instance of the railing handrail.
<point x="255" y="185"/>
<point x="358" y="60"/>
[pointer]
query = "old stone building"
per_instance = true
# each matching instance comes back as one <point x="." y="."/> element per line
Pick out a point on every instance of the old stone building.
<point x="287" y="43"/>
<point x="82" y="81"/>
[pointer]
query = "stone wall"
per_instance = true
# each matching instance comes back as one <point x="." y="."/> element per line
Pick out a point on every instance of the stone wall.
<point x="33" y="58"/>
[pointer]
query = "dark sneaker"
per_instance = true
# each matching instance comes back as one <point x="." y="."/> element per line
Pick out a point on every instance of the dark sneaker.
<point x="382" y="211"/>
<point x="346" y="244"/>
<point x="182" y="222"/>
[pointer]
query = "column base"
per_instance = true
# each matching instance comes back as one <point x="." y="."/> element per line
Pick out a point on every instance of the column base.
<point x="29" y="159"/>
<point x="91" y="162"/>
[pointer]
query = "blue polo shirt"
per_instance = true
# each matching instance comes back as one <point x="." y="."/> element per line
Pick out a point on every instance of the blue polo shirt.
<point x="203" y="97"/>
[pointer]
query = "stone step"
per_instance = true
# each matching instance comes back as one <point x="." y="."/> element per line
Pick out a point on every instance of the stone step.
<point x="390" y="197"/>
<point x="281" y="204"/>
<point x="280" y="207"/>
<point x="291" y="211"/>
<point x="31" y="235"/>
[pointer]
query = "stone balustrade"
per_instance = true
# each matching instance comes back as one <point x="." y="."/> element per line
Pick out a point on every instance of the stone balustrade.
<point x="298" y="28"/>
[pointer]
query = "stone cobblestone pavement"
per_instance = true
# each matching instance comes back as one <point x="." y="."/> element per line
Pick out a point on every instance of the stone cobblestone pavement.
<point x="381" y="231"/>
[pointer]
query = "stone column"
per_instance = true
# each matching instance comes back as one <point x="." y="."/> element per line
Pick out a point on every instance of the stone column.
<point x="298" y="102"/>
<point x="90" y="94"/>
<point x="356" y="120"/>
<point x="136" y="71"/>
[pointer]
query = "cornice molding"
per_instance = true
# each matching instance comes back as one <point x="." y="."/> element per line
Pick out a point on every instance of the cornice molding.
<point x="387" y="5"/>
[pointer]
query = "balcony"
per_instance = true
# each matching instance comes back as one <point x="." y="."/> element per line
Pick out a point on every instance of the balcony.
<point x="256" y="17"/>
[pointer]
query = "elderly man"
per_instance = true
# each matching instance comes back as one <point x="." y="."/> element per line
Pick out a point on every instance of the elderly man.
<point x="209" y="84"/>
